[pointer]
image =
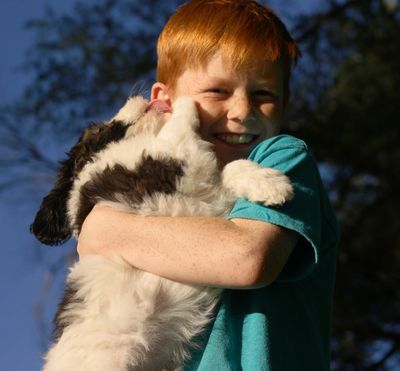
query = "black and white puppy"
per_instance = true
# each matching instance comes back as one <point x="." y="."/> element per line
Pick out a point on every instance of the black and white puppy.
<point x="114" y="317"/>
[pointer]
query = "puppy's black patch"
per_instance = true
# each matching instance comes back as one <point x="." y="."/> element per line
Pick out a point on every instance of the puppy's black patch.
<point x="93" y="140"/>
<point x="130" y="187"/>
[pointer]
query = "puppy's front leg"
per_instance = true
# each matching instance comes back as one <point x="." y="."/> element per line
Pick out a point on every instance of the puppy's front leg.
<point x="247" y="179"/>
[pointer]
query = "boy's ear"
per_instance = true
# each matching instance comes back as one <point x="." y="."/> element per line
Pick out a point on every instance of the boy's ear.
<point x="159" y="91"/>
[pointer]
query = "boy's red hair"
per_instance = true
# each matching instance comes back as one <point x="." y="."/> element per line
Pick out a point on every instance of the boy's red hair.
<point x="245" y="32"/>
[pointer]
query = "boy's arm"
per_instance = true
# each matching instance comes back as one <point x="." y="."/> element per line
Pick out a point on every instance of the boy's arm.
<point x="237" y="253"/>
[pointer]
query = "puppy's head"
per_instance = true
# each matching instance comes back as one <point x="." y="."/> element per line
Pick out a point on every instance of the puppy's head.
<point x="52" y="225"/>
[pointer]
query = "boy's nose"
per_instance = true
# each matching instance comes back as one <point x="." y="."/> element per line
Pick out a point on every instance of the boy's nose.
<point x="239" y="109"/>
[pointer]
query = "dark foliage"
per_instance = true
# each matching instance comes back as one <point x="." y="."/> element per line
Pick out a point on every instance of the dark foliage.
<point x="346" y="107"/>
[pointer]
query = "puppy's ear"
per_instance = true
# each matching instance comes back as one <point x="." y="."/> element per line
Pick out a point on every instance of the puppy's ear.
<point x="51" y="225"/>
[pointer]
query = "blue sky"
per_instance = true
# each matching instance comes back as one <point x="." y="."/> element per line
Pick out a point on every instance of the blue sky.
<point x="24" y="265"/>
<point x="14" y="40"/>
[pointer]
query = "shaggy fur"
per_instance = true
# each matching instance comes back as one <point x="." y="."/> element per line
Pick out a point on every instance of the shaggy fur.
<point x="115" y="317"/>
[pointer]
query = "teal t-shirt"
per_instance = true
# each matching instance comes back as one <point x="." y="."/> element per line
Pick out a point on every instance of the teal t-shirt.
<point x="284" y="326"/>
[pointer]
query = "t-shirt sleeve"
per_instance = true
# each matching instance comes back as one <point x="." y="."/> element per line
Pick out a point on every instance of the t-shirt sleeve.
<point x="309" y="213"/>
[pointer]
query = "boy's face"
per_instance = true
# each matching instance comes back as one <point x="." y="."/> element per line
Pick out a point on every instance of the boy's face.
<point x="237" y="111"/>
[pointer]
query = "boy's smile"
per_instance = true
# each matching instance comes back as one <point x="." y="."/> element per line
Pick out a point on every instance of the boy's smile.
<point x="236" y="110"/>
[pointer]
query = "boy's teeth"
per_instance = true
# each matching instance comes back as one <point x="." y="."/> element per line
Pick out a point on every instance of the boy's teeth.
<point x="236" y="139"/>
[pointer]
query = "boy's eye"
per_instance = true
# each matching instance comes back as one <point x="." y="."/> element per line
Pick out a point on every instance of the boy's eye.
<point x="217" y="91"/>
<point x="265" y="94"/>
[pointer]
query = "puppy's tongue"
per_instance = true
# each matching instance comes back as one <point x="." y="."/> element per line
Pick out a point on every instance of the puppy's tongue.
<point x="158" y="105"/>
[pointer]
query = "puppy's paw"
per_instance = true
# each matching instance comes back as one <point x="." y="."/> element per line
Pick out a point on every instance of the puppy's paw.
<point x="249" y="180"/>
<point x="269" y="186"/>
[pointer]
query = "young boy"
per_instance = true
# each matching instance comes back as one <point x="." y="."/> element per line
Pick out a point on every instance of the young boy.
<point x="234" y="57"/>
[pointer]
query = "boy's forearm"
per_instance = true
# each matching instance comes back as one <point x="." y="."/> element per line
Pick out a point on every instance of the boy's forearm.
<point x="175" y="248"/>
<point x="199" y="250"/>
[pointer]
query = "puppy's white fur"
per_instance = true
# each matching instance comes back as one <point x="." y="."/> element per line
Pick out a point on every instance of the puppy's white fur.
<point x="126" y="319"/>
